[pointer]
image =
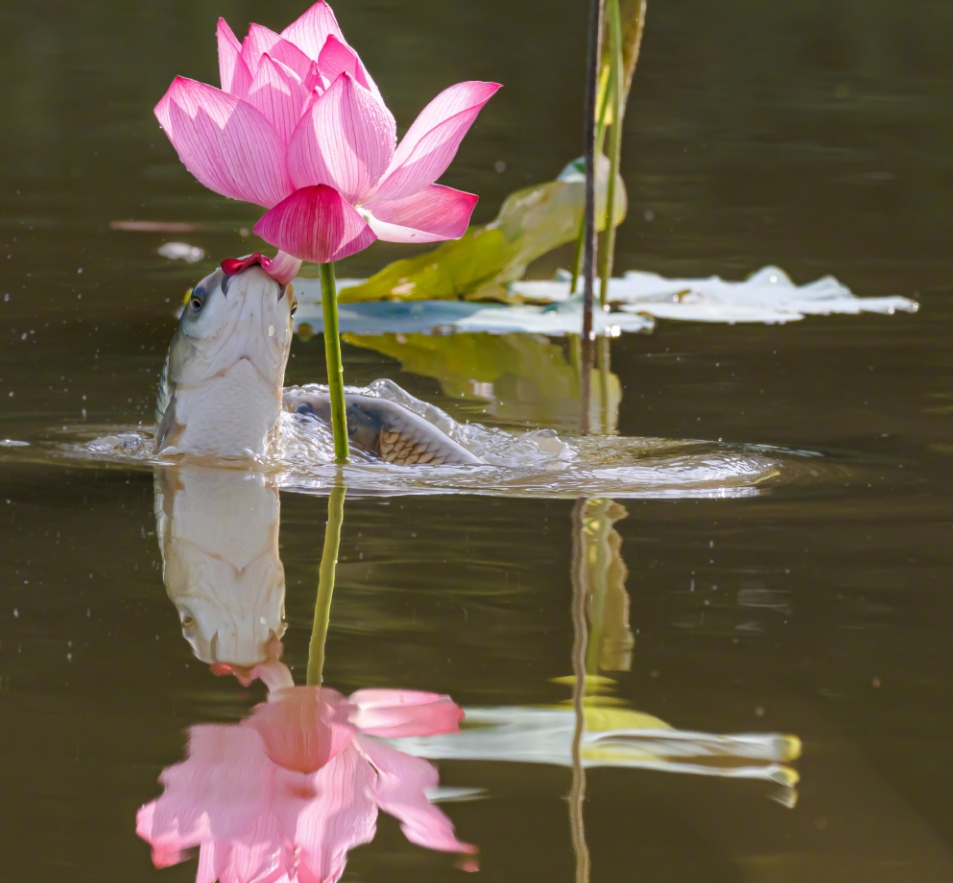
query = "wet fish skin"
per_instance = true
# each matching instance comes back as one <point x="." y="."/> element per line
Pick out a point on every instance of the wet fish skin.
<point x="388" y="431"/>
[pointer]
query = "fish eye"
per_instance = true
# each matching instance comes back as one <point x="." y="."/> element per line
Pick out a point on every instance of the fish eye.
<point x="196" y="298"/>
<point x="187" y="621"/>
<point x="294" y="306"/>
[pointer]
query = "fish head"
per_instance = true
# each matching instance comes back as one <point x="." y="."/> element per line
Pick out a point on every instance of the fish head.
<point x="227" y="358"/>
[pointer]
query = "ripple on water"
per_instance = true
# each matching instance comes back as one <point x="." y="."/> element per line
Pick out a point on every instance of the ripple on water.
<point x="535" y="463"/>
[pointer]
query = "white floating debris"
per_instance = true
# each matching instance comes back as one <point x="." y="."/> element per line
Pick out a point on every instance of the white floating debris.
<point x="451" y="316"/>
<point x="182" y="251"/>
<point x="768" y="296"/>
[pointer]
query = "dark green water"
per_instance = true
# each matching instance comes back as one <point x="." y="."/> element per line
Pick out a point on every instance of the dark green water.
<point x="816" y="136"/>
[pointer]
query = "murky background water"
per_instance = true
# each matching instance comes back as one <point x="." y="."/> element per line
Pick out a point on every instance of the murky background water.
<point x="812" y="135"/>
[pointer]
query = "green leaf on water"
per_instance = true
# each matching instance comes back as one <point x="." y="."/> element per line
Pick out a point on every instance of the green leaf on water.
<point x="478" y="266"/>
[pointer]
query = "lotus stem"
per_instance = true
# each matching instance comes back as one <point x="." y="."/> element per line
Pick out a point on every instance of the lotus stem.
<point x="580" y="236"/>
<point x="589" y="243"/>
<point x="615" y="148"/>
<point x="332" y="352"/>
<point x="326" y="572"/>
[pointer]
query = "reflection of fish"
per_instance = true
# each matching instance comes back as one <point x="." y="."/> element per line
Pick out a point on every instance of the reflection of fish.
<point x="218" y="534"/>
<point x="220" y="393"/>
<point x="387" y="430"/>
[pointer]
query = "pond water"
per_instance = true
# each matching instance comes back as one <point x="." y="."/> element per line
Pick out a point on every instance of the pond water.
<point x="727" y="633"/>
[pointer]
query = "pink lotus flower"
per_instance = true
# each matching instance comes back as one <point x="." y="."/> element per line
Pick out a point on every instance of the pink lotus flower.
<point x="300" y="128"/>
<point x="288" y="792"/>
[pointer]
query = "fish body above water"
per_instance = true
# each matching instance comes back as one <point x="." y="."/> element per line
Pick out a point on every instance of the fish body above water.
<point x="221" y="392"/>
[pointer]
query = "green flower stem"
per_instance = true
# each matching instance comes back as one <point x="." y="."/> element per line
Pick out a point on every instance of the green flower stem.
<point x="615" y="148"/>
<point x="322" y="605"/>
<point x="332" y="351"/>
<point x="581" y="235"/>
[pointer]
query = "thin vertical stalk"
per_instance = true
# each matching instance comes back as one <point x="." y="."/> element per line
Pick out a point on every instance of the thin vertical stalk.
<point x="615" y="148"/>
<point x="332" y="352"/>
<point x="577" y="792"/>
<point x="589" y="243"/>
<point x="604" y="373"/>
<point x="581" y="235"/>
<point x="326" y="572"/>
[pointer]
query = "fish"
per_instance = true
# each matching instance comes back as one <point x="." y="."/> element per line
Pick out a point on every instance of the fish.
<point x="220" y="392"/>
<point x="385" y="430"/>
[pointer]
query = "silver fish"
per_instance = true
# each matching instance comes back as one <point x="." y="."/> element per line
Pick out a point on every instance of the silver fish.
<point x="220" y="393"/>
<point x="386" y="430"/>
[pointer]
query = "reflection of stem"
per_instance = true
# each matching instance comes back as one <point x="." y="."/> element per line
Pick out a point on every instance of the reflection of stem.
<point x="332" y="351"/>
<point x="322" y="605"/>
<point x="589" y="246"/>
<point x="577" y="793"/>
<point x="603" y="361"/>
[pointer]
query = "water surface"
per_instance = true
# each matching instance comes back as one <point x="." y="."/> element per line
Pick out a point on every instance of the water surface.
<point x="814" y="136"/>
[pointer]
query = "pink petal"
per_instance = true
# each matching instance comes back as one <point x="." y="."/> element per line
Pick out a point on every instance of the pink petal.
<point x="432" y="141"/>
<point x="315" y="224"/>
<point x="225" y="142"/>
<point x="312" y="29"/>
<point x="337" y="58"/>
<point x="342" y="815"/>
<point x="303" y="728"/>
<point x="236" y="77"/>
<point x="346" y="140"/>
<point x="400" y="792"/>
<point x="279" y="95"/>
<point x="430" y="215"/>
<point x="261" y="41"/>
<point x="392" y="714"/>
<point x="314" y="81"/>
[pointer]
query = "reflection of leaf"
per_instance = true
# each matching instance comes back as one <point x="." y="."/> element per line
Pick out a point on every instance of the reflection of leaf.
<point x="614" y="738"/>
<point x="531" y="223"/>
<point x="524" y="378"/>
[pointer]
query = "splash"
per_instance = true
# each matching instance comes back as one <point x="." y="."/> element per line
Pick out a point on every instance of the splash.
<point x="535" y="463"/>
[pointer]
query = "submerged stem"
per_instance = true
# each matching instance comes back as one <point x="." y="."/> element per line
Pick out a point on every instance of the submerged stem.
<point x="322" y="604"/>
<point x="332" y="351"/>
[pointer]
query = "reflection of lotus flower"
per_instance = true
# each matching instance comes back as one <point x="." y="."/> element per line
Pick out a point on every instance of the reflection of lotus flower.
<point x="300" y="128"/>
<point x="285" y="794"/>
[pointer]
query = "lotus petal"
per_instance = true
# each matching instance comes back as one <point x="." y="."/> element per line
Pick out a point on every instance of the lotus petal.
<point x="430" y="215"/>
<point x="340" y="816"/>
<point x="394" y="713"/>
<point x="225" y="142"/>
<point x="303" y="728"/>
<point x="315" y="224"/>
<point x="262" y="40"/>
<point x="279" y="95"/>
<point x="311" y="30"/>
<point x="400" y="792"/>
<point x="235" y="75"/>
<point x="337" y="58"/>
<point x="432" y="141"/>
<point x="345" y="140"/>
